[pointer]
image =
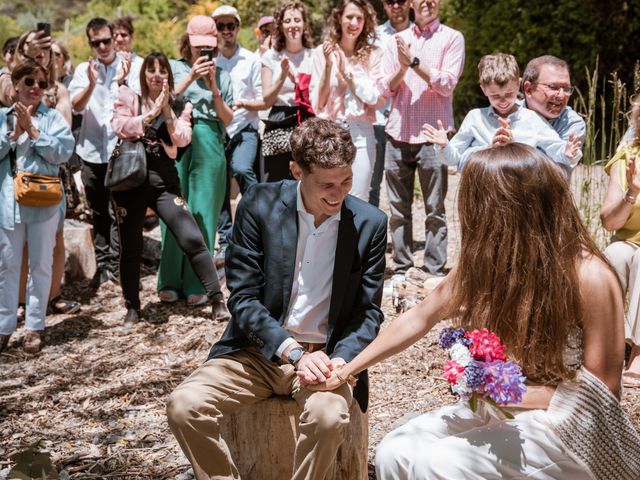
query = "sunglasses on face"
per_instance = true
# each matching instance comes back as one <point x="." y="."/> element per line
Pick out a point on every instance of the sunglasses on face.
<point x="30" y="82"/>
<point x="96" y="43"/>
<point x="391" y="3"/>
<point x="231" y="26"/>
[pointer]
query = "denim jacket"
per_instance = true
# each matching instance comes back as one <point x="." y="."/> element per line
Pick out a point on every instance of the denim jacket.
<point x="53" y="147"/>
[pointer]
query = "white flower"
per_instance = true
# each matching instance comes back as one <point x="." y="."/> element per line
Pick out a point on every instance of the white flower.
<point x="460" y="388"/>
<point x="460" y="354"/>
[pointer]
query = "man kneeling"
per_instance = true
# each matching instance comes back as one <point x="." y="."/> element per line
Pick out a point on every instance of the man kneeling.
<point x="305" y="267"/>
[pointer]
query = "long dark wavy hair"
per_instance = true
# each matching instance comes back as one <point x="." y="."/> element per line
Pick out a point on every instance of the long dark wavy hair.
<point x="366" y="39"/>
<point x="149" y="60"/>
<point x="522" y="239"/>
<point x="279" y="41"/>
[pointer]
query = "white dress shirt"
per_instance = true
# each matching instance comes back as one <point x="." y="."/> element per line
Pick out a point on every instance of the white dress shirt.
<point x="97" y="139"/>
<point x="308" y="316"/>
<point x="480" y="125"/>
<point x="244" y="67"/>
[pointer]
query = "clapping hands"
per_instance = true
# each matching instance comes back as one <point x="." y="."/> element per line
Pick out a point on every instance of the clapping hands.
<point x="572" y="148"/>
<point x="504" y="134"/>
<point x="437" y="136"/>
<point x="24" y="122"/>
<point x="124" y="68"/>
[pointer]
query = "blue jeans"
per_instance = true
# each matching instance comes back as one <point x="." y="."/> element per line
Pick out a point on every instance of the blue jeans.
<point x="378" y="166"/>
<point x="401" y="162"/>
<point x="241" y="151"/>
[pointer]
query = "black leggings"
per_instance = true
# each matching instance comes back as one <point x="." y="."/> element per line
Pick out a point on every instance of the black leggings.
<point x="130" y="207"/>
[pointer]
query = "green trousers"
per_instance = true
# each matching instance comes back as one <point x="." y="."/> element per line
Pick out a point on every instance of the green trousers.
<point x="203" y="176"/>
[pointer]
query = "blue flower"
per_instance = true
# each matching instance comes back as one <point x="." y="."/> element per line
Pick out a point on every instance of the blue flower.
<point x="504" y="382"/>
<point x="451" y="336"/>
<point x="475" y="375"/>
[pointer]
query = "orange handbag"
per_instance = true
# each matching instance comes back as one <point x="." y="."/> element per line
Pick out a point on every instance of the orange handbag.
<point x="34" y="190"/>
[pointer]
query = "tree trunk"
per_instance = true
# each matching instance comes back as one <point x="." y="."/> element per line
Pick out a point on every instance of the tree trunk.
<point x="262" y="438"/>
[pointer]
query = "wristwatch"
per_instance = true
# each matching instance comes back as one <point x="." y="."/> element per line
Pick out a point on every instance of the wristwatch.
<point x="295" y="355"/>
<point x="415" y="62"/>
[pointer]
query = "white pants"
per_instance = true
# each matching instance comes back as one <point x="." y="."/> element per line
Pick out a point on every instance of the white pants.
<point x="625" y="258"/>
<point x="454" y="443"/>
<point x="364" y="140"/>
<point x="41" y="237"/>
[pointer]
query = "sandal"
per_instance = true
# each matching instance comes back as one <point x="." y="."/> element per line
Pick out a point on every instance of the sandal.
<point x="197" y="299"/>
<point x="631" y="380"/>
<point x="32" y="342"/>
<point x="61" y="306"/>
<point x="168" y="296"/>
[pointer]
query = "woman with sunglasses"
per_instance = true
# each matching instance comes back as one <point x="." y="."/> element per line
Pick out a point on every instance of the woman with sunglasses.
<point x="33" y="45"/>
<point x="202" y="168"/>
<point x="163" y="122"/>
<point x="282" y="67"/>
<point x="36" y="139"/>
<point x="343" y="83"/>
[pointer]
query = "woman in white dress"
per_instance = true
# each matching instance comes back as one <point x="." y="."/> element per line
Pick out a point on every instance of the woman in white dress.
<point x="529" y="272"/>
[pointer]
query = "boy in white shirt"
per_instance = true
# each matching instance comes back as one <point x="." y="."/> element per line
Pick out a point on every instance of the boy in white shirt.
<point x="506" y="120"/>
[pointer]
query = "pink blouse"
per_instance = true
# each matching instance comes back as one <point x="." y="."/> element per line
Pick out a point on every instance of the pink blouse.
<point x="342" y="103"/>
<point x="127" y="123"/>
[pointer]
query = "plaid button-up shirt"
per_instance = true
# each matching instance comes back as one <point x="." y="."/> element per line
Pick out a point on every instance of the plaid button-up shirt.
<point x="416" y="102"/>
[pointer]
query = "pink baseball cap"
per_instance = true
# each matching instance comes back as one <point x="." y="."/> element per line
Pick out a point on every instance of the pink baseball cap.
<point x="202" y="31"/>
<point x="265" y="21"/>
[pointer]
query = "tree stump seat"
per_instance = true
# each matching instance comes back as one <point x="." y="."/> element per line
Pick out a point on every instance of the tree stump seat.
<point x="262" y="438"/>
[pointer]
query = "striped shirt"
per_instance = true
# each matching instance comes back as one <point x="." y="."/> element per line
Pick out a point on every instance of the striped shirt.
<point x="416" y="102"/>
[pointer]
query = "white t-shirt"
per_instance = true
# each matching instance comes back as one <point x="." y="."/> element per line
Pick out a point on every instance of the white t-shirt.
<point x="299" y="63"/>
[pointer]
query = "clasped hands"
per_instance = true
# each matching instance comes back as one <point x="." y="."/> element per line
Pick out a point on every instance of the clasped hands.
<point x="23" y="122"/>
<point x="316" y="371"/>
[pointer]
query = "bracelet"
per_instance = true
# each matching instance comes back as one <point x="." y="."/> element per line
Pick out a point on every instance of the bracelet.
<point x="629" y="198"/>
<point x="218" y="94"/>
<point x="350" y="378"/>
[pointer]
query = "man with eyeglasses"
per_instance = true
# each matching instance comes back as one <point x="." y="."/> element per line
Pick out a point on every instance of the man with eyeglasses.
<point x="93" y="92"/>
<point x="397" y="12"/>
<point x="546" y="84"/>
<point x="421" y="70"/>
<point x="241" y="147"/>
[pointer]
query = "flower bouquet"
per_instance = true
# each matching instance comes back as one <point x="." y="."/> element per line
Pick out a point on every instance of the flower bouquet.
<point x="479" y="369"/>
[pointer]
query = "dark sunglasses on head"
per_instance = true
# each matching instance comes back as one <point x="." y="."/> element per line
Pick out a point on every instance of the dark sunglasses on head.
<point x="30" y="82"/>
<point x="392" y="2"/>
<point x="231" y="26"/>
<point x="96" y="43"/>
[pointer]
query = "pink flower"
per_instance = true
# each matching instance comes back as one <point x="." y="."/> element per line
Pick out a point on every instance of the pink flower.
<point x="486" y="346"/>
<point x="452" y="371"/>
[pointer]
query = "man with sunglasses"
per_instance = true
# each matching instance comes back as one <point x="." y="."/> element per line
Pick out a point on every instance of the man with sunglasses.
<point x="547" y="88"/>
<point x="241" y="147"/>
<point x="397" y="12"/>
<point x="421" y="70"/>
<point x="93" y="92"/>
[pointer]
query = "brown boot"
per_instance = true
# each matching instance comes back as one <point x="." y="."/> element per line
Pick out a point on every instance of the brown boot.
<point x="32" y="342"/>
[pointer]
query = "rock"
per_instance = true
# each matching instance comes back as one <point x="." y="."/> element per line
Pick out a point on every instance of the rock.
<point x="80" y="261"/>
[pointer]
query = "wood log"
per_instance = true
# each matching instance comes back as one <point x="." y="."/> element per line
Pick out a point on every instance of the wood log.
<point x="262" y="439"/>
<point x="80" y="260"/>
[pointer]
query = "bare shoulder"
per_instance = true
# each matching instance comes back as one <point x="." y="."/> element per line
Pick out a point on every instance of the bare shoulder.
<point x="599" y="286"/>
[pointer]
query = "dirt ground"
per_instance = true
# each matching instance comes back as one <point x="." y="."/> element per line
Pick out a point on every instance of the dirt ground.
<point x="92" y="402"/>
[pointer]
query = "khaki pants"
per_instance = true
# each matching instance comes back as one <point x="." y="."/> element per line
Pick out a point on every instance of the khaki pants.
<point x="223" y="385"/>
<point x="625" y="259"/>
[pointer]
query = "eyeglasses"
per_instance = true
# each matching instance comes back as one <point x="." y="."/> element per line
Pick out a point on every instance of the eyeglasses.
<point x="30" y="82"/>
<point x="266" y="30"/>
<point x="121" y="34"/>
<point x="391" y="3"/>
<point x="231" y="26"/>
<point x="558" y="90"/>
<point x="96" y="43"/>
<point x="10" y="51"/>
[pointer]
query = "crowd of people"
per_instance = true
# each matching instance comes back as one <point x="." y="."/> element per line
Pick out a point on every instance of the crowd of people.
<point x="309" y="133"/>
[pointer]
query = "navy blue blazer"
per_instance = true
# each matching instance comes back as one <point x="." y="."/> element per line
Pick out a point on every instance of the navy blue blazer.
<point x="260" y="263"/>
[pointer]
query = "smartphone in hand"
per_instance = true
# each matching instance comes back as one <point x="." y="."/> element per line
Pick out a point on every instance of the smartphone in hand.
<point x="208" y="52"/>
<point x="44" y="27"/>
